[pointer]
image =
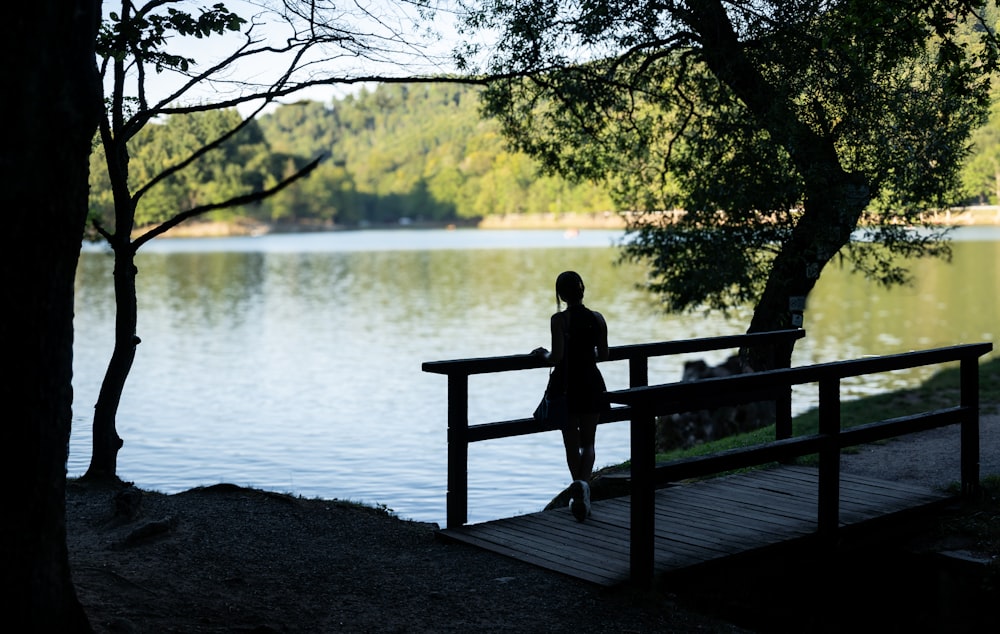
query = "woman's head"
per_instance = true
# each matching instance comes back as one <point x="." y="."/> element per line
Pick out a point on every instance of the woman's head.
<point x="569" y="287"/>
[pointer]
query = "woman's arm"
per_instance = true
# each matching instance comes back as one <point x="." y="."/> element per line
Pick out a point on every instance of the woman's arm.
<point x="554" y="356"/>
<point x="558" y="340"/>
<point x="602" y="338"/>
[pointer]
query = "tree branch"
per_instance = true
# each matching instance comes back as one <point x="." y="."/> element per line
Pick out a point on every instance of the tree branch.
<point x="226" y="204"/>
<point x="196" y="154"/>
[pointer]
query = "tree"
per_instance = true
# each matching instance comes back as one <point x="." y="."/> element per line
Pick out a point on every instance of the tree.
<point x="981" y="174"/>
<point x="52" y="108"/>
<point x="236" y="168"/>
<point x="777" y="126"/>
<point x="285" y="48"/>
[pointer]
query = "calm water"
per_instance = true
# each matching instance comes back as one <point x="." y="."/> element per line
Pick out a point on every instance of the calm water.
<point x="292" y="362"/>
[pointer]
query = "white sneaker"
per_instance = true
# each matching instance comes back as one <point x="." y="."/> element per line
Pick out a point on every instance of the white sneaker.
<point x="579" y="491"/>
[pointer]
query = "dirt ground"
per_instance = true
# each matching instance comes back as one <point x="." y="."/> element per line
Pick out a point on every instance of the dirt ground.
<point x="229" y="559"/>
<point x="929" y="458"/>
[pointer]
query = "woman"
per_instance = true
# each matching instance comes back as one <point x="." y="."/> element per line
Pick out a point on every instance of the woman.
<point x="579" y="341"/>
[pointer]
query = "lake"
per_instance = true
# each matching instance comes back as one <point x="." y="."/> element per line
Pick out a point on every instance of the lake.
<point x="292" y="362"/>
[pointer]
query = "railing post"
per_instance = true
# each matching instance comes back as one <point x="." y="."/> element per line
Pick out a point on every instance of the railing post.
<point x="642" y="433"/>
<point x="783" y="405"/>
<point x="641" y="508"/>
<point x="638" y="371"/>
<point x="828" y="517"/>
<point x="458" y="450"/>
<point x="783" y="416"/>
<point x="969" y="397"/>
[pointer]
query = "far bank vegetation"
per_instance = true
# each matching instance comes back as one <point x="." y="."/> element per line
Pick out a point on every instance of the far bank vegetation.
<point x="399" y="155"/>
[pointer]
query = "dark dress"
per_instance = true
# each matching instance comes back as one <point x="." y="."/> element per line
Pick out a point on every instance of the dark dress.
<point x="577" y="373"/>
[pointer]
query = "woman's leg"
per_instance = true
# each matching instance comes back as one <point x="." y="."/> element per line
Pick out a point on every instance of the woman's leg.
<point x="579" y="442"/>
<point x="571" y="442"/>
<point x="587" y="437"/>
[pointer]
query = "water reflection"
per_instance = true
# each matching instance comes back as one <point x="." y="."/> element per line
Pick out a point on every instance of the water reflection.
<point x="292" y="363"/>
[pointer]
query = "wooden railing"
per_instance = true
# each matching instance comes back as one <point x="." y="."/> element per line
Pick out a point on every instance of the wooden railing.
<point x="641" y="403"/>
<point x="460" y="433"/>
<point x="648" y="402"/>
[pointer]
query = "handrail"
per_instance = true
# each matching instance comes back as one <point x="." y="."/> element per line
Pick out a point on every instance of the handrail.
<point x="641" y="403"/>
<point x="648" y="402"/>
<point x="798" y="375"/>
<point x="460" y="433"/>
<point x="510" y="363"/>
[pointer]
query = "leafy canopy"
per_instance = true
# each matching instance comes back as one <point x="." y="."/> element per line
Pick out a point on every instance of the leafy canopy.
<point x="145" y="34"/>
<point x="751" y="116"/>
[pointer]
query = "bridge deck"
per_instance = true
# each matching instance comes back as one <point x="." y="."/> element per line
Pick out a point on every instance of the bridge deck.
<point x="696" y="522"/>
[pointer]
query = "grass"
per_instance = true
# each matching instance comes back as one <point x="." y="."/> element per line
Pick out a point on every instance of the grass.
<point x="939" y="391"/>
<point x="974" y="522"/>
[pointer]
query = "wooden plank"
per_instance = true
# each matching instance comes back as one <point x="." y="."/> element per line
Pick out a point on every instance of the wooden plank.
<point x="695" y="522"/>
<point x="794" y="504"/>
<point x="712" y="530"/>
<point x="709" y="504"/>
<point x="681" y="535"/>
<point x="678" y="512"/>
<point x="687" y="505"/>
<point x="560" y="535"/>
<point x="772" y="533"/>
<point x="902" y="490"/>
<point x="858" y="489"/>
<point x="511" y="550"/>
<point x="735" y="521"/>
<point x="616" y="523"/>
<point x="697" y="526"/>
<point x="781" y="506"/>
<point x="587" y="550"/>
<point x="565" y="557"/>
<point x="857" y="503"/>
<point x="542" y="528"/>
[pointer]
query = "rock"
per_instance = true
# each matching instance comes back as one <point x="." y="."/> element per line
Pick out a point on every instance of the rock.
<point x="128" y="504"/>
<point x="688" y="429"/>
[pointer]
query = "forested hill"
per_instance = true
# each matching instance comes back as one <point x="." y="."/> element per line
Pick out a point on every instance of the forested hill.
<point x="420" y="152"/>
<point x="417" y="152"/>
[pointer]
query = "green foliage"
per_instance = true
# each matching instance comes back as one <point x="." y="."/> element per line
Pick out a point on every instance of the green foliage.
<point x="777" y="126"/>
<point x="144" y="35"/>
<point x="939" y="391"/>
<point x="426" y="151"/>
<point x="466" y="169"/>
<point x="981" y="174"/>
<point x="243" y="164"/>
<point x="399" y="151"/>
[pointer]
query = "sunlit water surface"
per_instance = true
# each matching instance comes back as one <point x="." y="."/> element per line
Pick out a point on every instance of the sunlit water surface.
<point x="293" y="362"/>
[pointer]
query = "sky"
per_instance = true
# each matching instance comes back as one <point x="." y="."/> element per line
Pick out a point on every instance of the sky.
<point x="404" y="45"/>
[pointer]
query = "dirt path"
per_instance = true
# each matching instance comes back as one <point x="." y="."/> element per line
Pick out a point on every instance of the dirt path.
<point x="929" y="458"/>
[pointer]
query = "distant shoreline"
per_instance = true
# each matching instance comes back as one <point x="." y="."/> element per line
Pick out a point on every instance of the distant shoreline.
<point x="966" y="216"/>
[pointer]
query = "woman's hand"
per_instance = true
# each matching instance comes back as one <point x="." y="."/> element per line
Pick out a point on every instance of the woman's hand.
<point x="540" y="352"/>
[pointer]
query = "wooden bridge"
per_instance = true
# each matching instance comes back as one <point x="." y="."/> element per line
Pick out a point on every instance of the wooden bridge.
<point x="684" y="513"/>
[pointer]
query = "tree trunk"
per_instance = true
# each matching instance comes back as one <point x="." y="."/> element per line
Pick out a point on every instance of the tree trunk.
<point x="51" y="110"/>
<point x="106" y="441"/>
<point x="829" y="217"/>
<point x="996" y="183"/>
<point x="834" y="201"/>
